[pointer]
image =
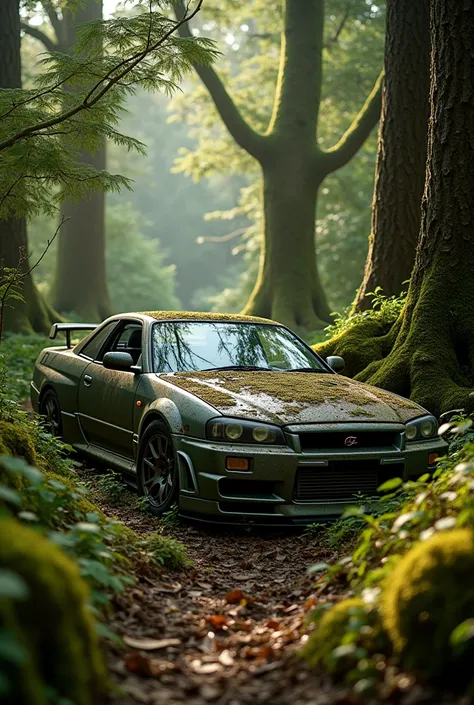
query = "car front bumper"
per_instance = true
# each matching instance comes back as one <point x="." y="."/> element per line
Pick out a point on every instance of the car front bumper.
<point x="284" y="485"/>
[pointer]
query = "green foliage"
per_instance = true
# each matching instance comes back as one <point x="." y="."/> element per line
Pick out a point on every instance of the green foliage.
<point x="351" y="61"/>
<point x="111" y="59"/>
<point x="397" y="571"/>
<point x="430" y="596"/>
<point x="19" y="353"/>
<point x="345" y="634"/>
<point x="166" y="552"/>
<point x="45" y="623"/>
<point x="385" y="311"/>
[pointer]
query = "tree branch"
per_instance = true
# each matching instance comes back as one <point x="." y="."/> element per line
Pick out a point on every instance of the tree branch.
<point x="56" y="23"/>
<point x="99" y="89"/>
<point x="358" y="132"/>
<point x="332" y="40"/>
<point x="251" y="141"/>
<point x="46" y="41"/>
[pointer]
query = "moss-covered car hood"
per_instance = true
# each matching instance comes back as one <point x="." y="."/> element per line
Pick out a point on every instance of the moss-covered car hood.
<point x="294" y="397"/>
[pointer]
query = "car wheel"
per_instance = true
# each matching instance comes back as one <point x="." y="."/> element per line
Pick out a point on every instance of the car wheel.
<point x="50" y="410"/>
<point x="157" y="469"/>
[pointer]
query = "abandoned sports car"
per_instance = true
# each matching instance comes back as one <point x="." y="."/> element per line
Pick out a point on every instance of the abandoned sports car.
<point x="233" y="418"/>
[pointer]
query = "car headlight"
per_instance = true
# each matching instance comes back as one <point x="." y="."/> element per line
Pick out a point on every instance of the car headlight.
<point x="240" y="431"/>
<point x="421" y="429"/>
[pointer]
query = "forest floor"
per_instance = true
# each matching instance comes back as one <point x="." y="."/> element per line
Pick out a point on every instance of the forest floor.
<point x="227" y="630"/>
<point x="230" y="626"/>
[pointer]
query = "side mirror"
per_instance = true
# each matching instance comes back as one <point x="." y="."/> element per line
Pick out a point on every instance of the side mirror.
<point x="118" y="361"/>
<point x="336" y="363"/>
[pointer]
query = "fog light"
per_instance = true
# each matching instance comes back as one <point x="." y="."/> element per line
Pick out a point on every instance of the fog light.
<point x="432" y="458"/>
<point x="241" y="464"/>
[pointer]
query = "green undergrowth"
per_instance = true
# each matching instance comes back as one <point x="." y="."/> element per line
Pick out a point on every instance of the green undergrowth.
<point x="96" y="556"/>
<point x="19" y="352"/>
<point x="408" y="608"/>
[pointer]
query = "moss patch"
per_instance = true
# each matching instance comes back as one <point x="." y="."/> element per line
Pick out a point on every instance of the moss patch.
<point x="428" y="595"/>
<point x="223" y="388"/>
<point x="205" y="316"/>
<point x="53" y="623"/>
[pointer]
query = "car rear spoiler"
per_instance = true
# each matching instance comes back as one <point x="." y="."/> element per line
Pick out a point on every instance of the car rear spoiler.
<point x="67" y="328"/>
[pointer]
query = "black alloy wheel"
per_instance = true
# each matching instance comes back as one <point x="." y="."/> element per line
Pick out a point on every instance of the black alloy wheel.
<point x="157" y="469"/>
<point x="51" y="412"/>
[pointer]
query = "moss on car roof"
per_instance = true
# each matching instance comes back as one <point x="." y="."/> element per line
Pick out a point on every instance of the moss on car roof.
<point x="220" y="389"/>
<point x="204" y="316"/>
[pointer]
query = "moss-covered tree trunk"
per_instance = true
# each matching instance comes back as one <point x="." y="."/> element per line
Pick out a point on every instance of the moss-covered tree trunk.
<point x="288" y="287"/>
<point x="80" y="281"/>
<point x="429" y="352"/>
<point x="33" y="313"/>
<point x="401" y="154"/>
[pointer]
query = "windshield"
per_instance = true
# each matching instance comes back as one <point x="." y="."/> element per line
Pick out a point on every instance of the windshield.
<point x="185" y="346"/>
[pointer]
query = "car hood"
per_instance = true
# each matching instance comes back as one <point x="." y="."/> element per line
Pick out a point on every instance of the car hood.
<point x="294" y="397"/>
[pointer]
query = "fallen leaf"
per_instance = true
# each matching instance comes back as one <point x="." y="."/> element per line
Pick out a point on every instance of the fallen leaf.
<point x="195" y="593"/>
<point x="150" y="644"/>
<point x="273" y="624"/>
<point x="225" y="657"/>
<point x="234" y="597"/>
<point x="205" y="668"/>
<point x="169" y="588"/>
<point x="218" y="621"/>
<point x="144" y="666"/>
<point x="292" y="608"/>
<point x="244" y="576"/>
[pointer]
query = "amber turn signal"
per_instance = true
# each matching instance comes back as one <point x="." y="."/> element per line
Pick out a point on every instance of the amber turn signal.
<point x="237" y="464"/>
<point x="432" y="458"/>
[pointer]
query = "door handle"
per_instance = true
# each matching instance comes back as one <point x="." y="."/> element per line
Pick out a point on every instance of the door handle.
<point x="87" y="380"/>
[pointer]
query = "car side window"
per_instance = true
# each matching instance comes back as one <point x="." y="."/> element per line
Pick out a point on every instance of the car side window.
<point x="127" y="339"/>
<point x="93" y="347"/>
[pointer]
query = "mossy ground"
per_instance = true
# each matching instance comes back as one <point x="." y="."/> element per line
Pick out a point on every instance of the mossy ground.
<point x="53" y="622"/>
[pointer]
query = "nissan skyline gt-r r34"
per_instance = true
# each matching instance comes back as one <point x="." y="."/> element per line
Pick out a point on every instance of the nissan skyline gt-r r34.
<point x="233" y="418"/>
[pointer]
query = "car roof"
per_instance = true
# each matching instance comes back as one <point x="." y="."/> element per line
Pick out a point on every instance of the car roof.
<point x="203" y="316"/>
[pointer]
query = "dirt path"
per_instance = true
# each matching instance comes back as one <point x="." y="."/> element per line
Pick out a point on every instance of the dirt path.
<point x="236" y="621"/>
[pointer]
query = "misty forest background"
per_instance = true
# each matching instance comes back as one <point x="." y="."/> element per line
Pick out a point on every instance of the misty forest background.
<point x="188" y="234"/>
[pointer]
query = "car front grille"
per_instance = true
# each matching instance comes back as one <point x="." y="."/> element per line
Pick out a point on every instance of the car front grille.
<point x="347" y="440"/>
<point x="342" y="481"/>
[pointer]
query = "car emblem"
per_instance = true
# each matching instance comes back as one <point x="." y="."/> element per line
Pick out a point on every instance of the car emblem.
<point x="350" y="441"/>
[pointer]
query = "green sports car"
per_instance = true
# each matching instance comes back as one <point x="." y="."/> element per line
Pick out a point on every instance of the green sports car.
<point x="234" y="418"/>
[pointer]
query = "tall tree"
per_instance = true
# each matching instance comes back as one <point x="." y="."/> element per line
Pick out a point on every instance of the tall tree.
<point x="33" y="313"/>
<point x="293" y="165"/>
<point x="81" y="240"/>
<point x="401" y="155"/>
<point x="429" y="352"/>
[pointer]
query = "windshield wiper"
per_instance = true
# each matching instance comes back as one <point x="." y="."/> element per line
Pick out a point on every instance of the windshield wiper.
<point x="307" y="369"/>
<point x="245" y="368"/>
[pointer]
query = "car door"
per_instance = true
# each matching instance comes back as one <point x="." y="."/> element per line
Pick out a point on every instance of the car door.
<point x="106" y="398"/>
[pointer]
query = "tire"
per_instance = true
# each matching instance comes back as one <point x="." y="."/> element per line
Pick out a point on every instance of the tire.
<point x="157" y="469"/>
<point x="50" y="410"/>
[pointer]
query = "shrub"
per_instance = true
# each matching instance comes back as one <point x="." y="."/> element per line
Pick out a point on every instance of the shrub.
<point x="345" y="635"/>
<point x="51" y="623"/>
<point x="429" y="594"/>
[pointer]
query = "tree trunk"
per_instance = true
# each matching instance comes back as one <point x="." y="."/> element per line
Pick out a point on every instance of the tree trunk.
<point x="401" y="156"/>
<point x="431" y="345"/>
<point x="80" y="282"/>
<point x="33" y="314"/>
<point x="288" y="287"/>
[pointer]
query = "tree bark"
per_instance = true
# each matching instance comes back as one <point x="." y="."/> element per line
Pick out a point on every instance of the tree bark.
<point x="80" y="282"/>
<point x="33" y="313"/>
<point x="288" y="287"/>
<point x="430" y="349"/>
<point x="401" y="156"/>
